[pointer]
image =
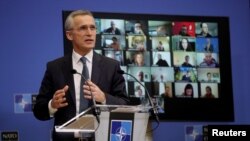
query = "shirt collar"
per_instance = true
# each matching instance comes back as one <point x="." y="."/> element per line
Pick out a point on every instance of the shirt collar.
<point x="77" y="57"/>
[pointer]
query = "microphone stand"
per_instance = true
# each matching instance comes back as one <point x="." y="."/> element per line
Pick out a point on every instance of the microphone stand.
<point x="153" y="110"/>
<point x="96" y="110"/>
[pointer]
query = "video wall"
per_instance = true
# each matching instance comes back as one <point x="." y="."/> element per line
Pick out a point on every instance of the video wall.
<point x="183" y="61"/>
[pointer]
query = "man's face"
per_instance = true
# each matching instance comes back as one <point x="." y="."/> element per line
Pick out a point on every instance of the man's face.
<point x="184" y="43"/>
<point x="184" y="29"/>
<point x="137" y="27"/>
<point x="83" y="33"/>
<point x="187" y="58"/>
<point x="112" y="24"/>
<point x="208" y="58"/>
<point x="204" y="28"/>
<point x="209" y="76"/>
<point x="167" y="89"/>
<point x="140" y="76"/>
<point x="208" y="91"/>
<point x="139" y="58"/>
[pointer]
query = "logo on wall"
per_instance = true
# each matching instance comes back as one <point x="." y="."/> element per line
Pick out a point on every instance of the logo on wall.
<point x="120" y="130"/>
<point x="194" y="133"/>
<point x="23" y="103"/>
<point x="9" y="136"/>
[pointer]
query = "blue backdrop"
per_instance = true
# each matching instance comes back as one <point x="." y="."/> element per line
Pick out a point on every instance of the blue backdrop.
<point x="31" y="35"/>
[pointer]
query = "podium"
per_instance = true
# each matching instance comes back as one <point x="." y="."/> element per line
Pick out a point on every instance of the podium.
<point x="117" y="123"/>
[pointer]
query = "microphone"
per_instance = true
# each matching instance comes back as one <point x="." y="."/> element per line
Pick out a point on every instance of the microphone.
<point x="96" y="111"/>
<point x="154" y="110"/>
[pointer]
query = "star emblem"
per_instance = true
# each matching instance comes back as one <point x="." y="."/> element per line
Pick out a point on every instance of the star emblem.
<point x="120" y="134"/>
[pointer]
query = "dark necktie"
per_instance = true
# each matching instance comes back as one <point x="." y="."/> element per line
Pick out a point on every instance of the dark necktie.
<point x="83" y="102"/>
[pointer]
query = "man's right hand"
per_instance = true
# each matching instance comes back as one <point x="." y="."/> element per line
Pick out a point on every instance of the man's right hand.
<point x="59" y="99"/>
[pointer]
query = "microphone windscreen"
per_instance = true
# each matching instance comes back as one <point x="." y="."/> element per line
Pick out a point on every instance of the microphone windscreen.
<point x="120" y="71"/>
<point x="73" y="71"/>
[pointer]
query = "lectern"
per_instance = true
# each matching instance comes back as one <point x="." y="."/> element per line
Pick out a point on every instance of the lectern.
<point x="117" y="123"/>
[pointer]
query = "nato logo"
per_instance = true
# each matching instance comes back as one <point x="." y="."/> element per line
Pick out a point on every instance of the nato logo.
<point x="120" y="130"/>
<point x="194" y="133"/>
<point x="23" y="103"/>
<point x="9" y="136"/>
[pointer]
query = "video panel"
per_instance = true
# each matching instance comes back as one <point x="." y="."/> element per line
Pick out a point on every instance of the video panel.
<point x="177" y="58"/>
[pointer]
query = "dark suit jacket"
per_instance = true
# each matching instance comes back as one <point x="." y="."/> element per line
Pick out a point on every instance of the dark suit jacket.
<point x="58" y="74"/>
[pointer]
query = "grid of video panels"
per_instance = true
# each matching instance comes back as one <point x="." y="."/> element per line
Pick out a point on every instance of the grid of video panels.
<point x="171" y="59"/>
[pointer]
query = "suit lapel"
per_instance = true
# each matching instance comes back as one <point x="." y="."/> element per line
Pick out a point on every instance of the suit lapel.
<point x="67" y="68"/>
<point x="96" y="68"/>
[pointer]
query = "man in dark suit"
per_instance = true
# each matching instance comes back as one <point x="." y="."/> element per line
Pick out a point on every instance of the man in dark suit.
<point x="59" y="93"/>
<point x="113" y="29"/>
<point x="204" y="31"/>
<point x="161" y="62"/>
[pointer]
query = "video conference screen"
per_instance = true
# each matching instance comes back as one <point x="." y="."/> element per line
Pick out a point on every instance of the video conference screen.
<point x="182" y="61"/>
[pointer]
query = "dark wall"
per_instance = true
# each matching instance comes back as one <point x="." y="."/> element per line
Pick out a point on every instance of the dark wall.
<point x="31" y="35"/>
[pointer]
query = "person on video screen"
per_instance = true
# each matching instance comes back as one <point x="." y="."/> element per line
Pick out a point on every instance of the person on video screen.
<point x="160" y="46"/>
<point x="184" y="31"/>
<point x="161" y="62"/>
<point x="186" y="62"/>
<point x="167" y="92"/>
<point x="141" y="76"/>
<point x="138" y="43"/>
<point x="209" y="78"/>
<point x="185" y="45"/>
<point x="161" y="30"/>
<point x="138" y="91"/>
<point x="208" y="93"/>
<point x="188" y="91"/>
<point x="209" y="47"/>
<point x="186" y="76"/>
<point x="208" y="61"/>
<point x="113" y="29"/>
<point x="204" y="31"/>
<point x="115" y="44"/>
<point x="139" y="59"/>
<point x="137" y="28"/>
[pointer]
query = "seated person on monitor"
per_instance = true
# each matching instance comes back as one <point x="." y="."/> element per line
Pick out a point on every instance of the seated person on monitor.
<point x="137" y="28"/>
<point x="161" y="30"/>
<point x="138" y="43"/>
<point x="187" y="77"/>
<point x="204" y="31"/>
<point x="186" y="63"/>
<point x="208" y="93"/>
<point x="139" y="59"/>
<point x="161" y="62"/>
<point x="208" y="61"/>
<point x="140" y="76"/>
<point x="115" y="44"/>
<point x="184" y="31"/>
<point x="157" y="103"/>
<point x="185" y="45"/>
<point x="167" y="92"/>
<point x="188" y="91"/>
<point x="160" y="46"/>
<point x="209" y="78"/>
<point x="138" y="91"/>
<point x="209" y="46"/>
<point x="112" y="29"/>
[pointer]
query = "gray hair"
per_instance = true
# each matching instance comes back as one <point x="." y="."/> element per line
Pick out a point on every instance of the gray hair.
<point x="69" y="21"/>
